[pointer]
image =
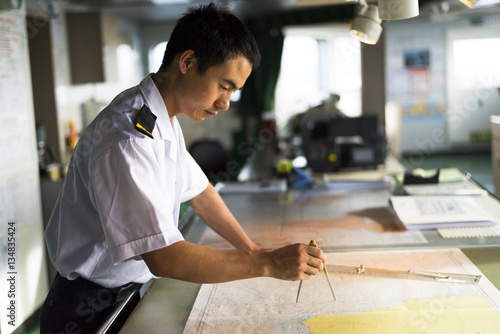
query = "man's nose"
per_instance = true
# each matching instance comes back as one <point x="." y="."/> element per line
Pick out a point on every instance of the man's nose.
<point x="223" y="102"/>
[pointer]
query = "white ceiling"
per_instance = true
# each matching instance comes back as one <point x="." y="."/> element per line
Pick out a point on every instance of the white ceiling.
<point x="171" y="10"/>
<point x="147" y="10"/>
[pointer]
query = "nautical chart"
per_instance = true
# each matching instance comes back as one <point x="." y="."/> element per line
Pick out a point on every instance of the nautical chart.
<point x="364" y="304"/>
<point x="332" y="219"/>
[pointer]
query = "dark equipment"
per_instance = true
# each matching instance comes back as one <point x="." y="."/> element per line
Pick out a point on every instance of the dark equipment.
<point x="335" y="143"/>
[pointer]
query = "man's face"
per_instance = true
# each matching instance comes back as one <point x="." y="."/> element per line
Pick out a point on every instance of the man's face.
<point x="203" y="95"/>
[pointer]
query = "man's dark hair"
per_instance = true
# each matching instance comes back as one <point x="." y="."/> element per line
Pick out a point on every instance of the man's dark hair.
<point x="214" y="34"/>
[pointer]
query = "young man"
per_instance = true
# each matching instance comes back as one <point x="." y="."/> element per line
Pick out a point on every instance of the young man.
<point x="115" y="221"/>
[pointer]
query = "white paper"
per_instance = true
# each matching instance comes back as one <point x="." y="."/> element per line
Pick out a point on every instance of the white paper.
<point x="456" y="188"/>
<point x="438" y="211"/>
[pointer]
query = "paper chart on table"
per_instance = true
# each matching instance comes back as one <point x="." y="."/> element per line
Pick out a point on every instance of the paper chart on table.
<point x="347" y="220"/>
<point x="266" y="305"/>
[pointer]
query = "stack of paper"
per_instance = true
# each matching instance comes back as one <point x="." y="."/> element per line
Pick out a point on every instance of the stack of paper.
<point x="426" y="212"/>
<point x="453" y="188"/>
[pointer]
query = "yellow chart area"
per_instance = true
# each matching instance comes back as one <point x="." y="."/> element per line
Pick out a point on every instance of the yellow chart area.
<point x="454" y="315"/>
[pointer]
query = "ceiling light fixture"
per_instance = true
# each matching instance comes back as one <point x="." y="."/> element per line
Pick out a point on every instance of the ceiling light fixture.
<point x="397" y="9"/>
<point x="469" y="3"/>
<point x="366" y="27"/>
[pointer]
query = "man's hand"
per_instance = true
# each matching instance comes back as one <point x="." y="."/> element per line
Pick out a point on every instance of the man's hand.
<point x="297" y="262"/>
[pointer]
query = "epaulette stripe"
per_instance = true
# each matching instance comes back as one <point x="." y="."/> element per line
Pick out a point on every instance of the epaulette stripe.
<point x="142" y="128"/>
<point x="145" y="121"/>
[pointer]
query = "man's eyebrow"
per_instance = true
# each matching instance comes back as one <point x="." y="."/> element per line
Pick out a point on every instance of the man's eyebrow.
<point x="231" y="83"/>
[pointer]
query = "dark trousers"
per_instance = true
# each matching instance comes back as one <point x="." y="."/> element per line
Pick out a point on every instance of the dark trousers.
<point x="78" y="306"/>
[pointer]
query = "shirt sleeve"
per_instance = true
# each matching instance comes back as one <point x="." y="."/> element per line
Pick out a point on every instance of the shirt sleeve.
<point x="135" y="207"/>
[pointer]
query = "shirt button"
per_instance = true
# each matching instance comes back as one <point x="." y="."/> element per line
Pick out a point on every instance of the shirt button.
<point x="51" y="302"/>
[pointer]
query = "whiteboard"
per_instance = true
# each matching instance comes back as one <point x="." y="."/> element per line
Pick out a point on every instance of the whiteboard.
<point x="23" y="269"/>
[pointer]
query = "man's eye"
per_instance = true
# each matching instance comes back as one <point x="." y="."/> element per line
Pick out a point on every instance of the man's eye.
<point x="223" y="88"/>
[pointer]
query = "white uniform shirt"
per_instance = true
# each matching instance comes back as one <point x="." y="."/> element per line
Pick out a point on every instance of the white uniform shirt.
<point x="122" y="193"/>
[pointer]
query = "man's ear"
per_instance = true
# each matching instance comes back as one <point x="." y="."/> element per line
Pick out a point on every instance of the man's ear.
<point x="186" y="61"/>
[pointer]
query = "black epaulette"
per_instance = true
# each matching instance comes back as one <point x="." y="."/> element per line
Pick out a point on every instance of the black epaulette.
<point x="145" y="121"/>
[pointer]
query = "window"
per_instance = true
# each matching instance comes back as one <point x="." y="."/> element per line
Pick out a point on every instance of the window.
<point x="472" y="81"/>
<point x="316" y="63"/>
<point x="475" y="59"/>
<point x="298" y="86"/>
<point x="126" y="57"/>
<point x="156" y="56"/>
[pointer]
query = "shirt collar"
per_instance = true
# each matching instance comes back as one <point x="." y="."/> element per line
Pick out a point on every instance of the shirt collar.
<point x="157" y="106"/>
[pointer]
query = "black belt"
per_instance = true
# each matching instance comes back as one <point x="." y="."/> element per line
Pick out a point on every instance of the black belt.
<point x="118" y="291"/>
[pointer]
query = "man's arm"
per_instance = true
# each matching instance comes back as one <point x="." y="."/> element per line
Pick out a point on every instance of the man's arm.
<point x="195" y="263"/>
<point x="213" y="211"/>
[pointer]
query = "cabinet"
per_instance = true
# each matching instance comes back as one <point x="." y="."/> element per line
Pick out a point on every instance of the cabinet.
<point x="85" y="47"/>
